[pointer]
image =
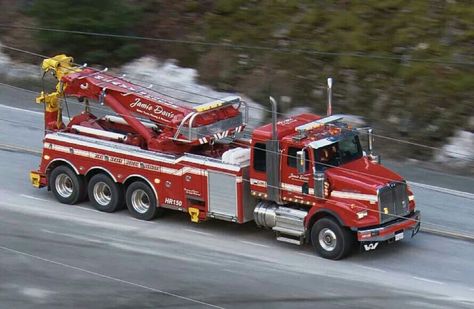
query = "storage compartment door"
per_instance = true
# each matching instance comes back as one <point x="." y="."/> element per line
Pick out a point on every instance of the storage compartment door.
<point x="222" y="196"/>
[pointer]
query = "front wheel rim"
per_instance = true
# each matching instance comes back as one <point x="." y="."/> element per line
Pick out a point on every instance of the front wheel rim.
<point x="327" y="239"/>
<point x="102" y="193"/>
<point x="140" y="201"/>
<point x="64" y="185"/>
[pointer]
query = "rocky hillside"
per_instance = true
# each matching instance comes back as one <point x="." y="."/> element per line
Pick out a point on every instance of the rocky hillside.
<point x="406" y="66"/>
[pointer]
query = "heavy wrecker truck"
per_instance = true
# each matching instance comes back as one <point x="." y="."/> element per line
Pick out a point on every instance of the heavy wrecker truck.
<point x="305" y="177"/>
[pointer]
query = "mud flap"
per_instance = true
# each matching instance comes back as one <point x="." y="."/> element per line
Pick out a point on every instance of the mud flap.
<point x="416" y="229"/>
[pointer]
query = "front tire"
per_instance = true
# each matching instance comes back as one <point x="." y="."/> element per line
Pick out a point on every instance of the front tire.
<point x="67" y="186"/>
<point x="105" y="194"/>
<point x="330" y="240"/>
<point x="141" y="201"/>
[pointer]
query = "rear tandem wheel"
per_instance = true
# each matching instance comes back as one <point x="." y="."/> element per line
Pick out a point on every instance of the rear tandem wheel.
<point x="142" y="202"/>
<point x="67" y="186"/>
<point x="105" y="194"/>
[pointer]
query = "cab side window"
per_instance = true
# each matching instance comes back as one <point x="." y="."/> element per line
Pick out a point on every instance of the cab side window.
<point x="327" y="157"/>
<point x="260" y="157"/>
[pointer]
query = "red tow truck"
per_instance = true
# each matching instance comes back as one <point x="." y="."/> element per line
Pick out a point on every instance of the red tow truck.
<point x="305" y="177"/>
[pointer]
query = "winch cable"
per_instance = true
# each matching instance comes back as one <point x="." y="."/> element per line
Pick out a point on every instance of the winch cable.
<point x="283" y="155"/>
<point x="436" y="226"/>
<point x="98" y="108"/>
<point x="245" y="145"/>
<point x="354" y="54"/>
<point x="461" y="156"/>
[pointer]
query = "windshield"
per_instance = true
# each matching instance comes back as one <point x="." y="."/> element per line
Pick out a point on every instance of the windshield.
<point x="341" y="152"/>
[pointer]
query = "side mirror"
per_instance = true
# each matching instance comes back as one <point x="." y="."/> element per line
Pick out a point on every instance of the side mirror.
<point x="301" y="161"/>
<point x="375" y="158"/>
<point x="372" y="156"/>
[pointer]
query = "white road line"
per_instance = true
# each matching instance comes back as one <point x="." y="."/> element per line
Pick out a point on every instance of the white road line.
<point x="143" y="221"/>
<point x="110" y="277"/>
<point x="465" y="236"/>
<point x="253" y="243"/>
<point x="28" y="111"/>
<point x="305" y="254"/>
<point x="427" y="280"/>
<point x="88" y="209"/>
<point x="442" y="190"/>
<point x="372" y="268"/>
<point x="77" y="237"/>
<point x="21" y="110"/>
<point x="48" y="231"/>
<point x="199" y="232"/>
<point x="34" y="198"/>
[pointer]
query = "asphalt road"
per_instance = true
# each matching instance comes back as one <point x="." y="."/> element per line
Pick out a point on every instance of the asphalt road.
<point x="54" y="255"/>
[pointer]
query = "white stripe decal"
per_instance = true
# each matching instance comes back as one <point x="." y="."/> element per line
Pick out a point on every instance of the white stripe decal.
<point x="122" y="161"/>
<point x="221" y="135"/>
<point x="137" y="152"/>
<point x="354" y="196"/>
<point x="295" y="188"/>
<point x="291" y="187"/>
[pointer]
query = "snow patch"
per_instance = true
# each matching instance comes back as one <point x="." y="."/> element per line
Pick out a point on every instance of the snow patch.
<point x="181" y="83"/>
<point x="36" y="293"/>
<point x="14" y="70"/>
<point x="458" y="150"/>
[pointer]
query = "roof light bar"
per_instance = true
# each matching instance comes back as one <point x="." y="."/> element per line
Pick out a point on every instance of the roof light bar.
<point x="217" y="104"/>
<point x="318" y="123"/>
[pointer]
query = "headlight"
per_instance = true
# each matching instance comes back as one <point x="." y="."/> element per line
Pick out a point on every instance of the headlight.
<point x="362" y="214"/>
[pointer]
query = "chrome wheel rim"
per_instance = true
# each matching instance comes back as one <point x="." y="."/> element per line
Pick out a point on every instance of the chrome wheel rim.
<point x="64" y="185"/>
<point x="140" y="201"/>
<point x="327" y="239"/>
<point x="102" y="193"/>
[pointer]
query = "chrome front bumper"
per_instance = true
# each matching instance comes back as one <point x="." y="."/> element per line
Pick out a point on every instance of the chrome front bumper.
<point x="393" y="230"/>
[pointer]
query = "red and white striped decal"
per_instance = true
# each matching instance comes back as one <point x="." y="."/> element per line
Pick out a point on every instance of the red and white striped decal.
<point x="220" y="135"/>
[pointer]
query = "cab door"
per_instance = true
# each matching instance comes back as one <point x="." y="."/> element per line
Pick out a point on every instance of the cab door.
<point x="295" y="187"/>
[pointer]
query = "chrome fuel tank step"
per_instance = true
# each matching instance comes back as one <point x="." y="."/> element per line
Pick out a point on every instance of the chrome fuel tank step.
<point x="283" y="220"/>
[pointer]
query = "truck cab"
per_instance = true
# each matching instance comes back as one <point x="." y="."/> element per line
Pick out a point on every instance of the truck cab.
<point x="318" y="185"/>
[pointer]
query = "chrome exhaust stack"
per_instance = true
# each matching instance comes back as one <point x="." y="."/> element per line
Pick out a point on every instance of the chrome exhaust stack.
<point x="273" y="158"/>
<point x="319" y="180"/>
<point x="329" y="110"/>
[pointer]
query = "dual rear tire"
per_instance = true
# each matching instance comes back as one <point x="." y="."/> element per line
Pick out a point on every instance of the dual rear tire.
<point x="105" y="194"/>
<point x="141" y="201"/>
<point x="67" y="186"/>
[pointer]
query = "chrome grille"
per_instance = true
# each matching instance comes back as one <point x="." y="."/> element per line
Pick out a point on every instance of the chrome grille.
<point x="393" y="201"/>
